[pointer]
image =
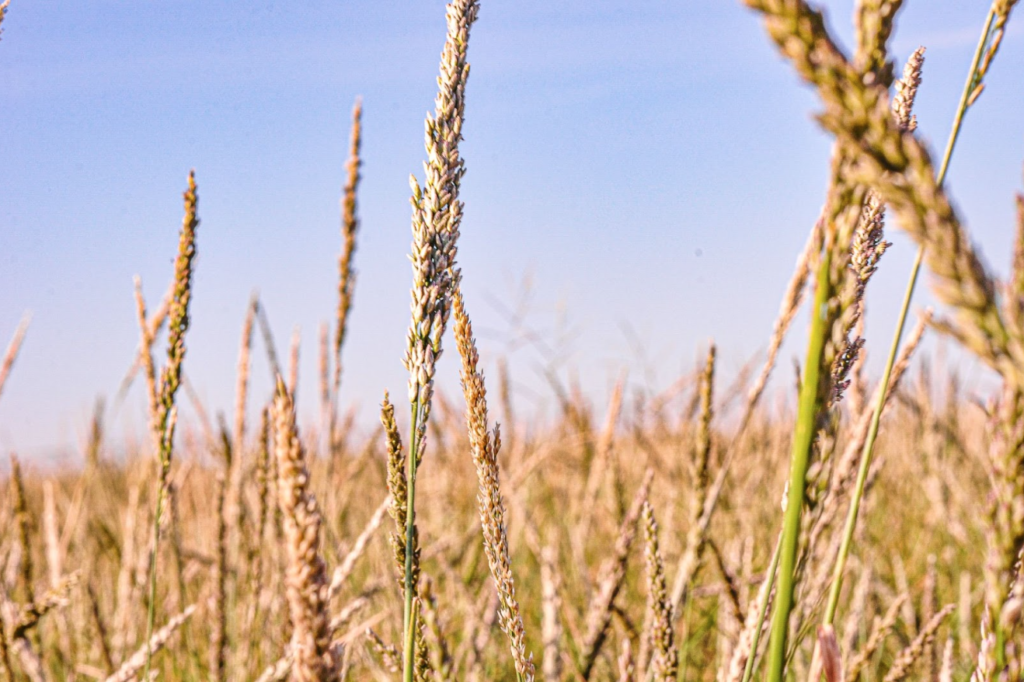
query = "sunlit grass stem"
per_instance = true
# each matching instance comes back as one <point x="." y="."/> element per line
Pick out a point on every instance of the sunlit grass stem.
<point x="803" y="442"/>
<point x="876" y="417"/>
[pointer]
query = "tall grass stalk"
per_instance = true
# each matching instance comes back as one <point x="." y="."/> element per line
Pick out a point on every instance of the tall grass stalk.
<point x="803" y="442"/>
<point x="967" y="98"/>
<point x="769" y="582"/>
<point x="19" y="334"/>
<point x="437" y="214"/>
<point x="170" y="379"/>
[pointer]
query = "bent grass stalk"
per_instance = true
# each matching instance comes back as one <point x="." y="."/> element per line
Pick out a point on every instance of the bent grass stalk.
<point x="966" y="100"/>
<point x="19" y="334"/>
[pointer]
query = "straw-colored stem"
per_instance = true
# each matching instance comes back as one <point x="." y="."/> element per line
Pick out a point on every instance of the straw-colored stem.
<point x="19" y="334"/>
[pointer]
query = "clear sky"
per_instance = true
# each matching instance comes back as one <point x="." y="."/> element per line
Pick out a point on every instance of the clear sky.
<point x="647" y="172"/>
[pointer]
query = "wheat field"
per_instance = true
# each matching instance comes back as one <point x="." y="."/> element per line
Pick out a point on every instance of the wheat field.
<point x="861" y="528"/>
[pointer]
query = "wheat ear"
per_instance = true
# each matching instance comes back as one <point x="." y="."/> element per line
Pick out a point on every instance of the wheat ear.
<point x="306" y="577"/>
<point x="436" y="216"/>
<point x="878" y="634"/>
<point x="913" y="651"/>
<point x="130" y="669"/>
<point x="170" y="378"/>
<point x="665" y="657"/>
<point x="610" y="580"/>
<point x="349" y="228"/>
<point x="485" y="446"/>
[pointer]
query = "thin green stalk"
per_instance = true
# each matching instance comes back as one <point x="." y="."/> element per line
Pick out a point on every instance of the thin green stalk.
<point x="876" y="416"/>
<point x="409" y="650"/>
<point x="803" y="441"/>
<point x="773" y="567"/>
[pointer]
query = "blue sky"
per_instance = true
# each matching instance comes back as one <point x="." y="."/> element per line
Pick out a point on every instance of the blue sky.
<point x="640" y="180"/>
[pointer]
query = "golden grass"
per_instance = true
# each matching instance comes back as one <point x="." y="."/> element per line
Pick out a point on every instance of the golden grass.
<point x="267" y="561"/>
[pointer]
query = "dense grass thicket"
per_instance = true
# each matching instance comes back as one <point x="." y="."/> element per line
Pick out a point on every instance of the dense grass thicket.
<point x="866" y="528"/>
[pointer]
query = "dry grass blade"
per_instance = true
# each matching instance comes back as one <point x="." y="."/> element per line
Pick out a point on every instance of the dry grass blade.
<point x="277" y="671"/>
<point x="880" y="631"/>
<point x="101" y="629"/>
<point x="348" y="612"/>
<point x="293" y="362"/>
<point x="485" y="446"/>
<point x="906" y="658"/>
<point x="703" y="497"/>
<point x="787" y="311"/>
<point x="23" y="521"/>
<point x="344" y="569"/>
<point x="5" y="651"/>
<point x="11" y="354"/>
<point x="754" y="624"/>
<point x="390" y="656"/>
<point x="665" y="657"/>
<point x="130" y="669"/>
<point x="236" y="468"/>
<point x="946" y="671"/>
<point x="145" y="358"/>
<point x="551" y="628"/>
<point x="627" y="667"/>
<point x="306" y="577"/>
<point x="268" y="341"/>
<point x="218" y="638"/>
<point x="610" y="579"/>
<point x="55" y="598"/>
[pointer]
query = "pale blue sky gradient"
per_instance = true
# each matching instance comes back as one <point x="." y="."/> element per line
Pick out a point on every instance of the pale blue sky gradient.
<point x="651" y="166"/>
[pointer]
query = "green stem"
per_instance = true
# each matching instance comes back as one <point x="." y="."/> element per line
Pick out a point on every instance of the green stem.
<point x="769" y="578"/>
<point x="803" y="441"/>
<point x="151" y="607"/>
<point x="876" y="416"/>
<point x="409" y="652"/>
